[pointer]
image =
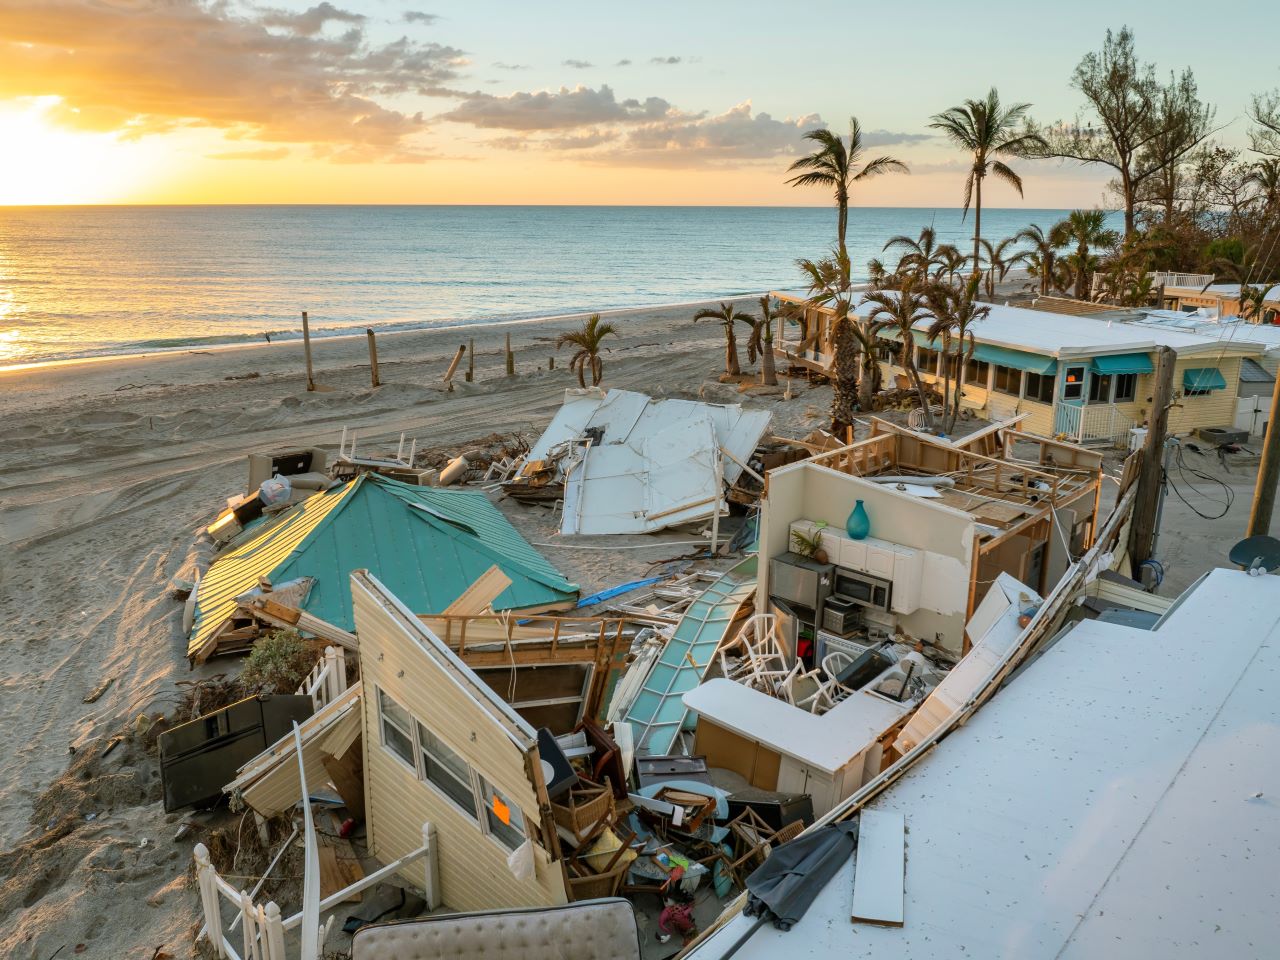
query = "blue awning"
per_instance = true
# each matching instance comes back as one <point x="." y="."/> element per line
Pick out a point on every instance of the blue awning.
<point x="1203" y="378"/>
<point x="1118" y="363"/>
<point x="1033" y="362"/>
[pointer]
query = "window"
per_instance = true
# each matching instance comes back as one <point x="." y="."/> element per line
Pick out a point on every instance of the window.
<point x="1126" y="387"/>
<point x="1008" y="380"/>
<point x="445" y="770"/>
<point x="1073" y="384"/>
<point x="1040" y="387"/>
<point x="977" y="372"/>
<point x="503" y="818"/>
<point x="397" y="729"/>
<point x="927" y="360"/>
<point x="1191" y="392"/>
<point x="888" y="351"/>
<point x="1100" y="388"/>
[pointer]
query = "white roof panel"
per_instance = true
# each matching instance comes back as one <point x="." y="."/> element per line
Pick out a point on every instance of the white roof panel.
<point x="1118" y="798"/>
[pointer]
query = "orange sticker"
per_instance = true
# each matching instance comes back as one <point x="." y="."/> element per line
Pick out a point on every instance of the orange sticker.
<point x="501" y="810"/>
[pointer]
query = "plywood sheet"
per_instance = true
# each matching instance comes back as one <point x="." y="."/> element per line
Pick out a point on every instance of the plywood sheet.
<point x="879" y="879"/>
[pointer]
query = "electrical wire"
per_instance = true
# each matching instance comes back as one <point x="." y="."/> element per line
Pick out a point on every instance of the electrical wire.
<point x="1229" y="494"/>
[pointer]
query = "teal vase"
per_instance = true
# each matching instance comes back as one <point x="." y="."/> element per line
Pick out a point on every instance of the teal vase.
<point x="859" y="524"/>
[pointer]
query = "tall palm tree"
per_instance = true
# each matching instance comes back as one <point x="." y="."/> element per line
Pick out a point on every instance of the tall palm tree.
<point x="901" y="310"/>
<point x="761" y="342"/>
<point x="587" y="340"/>
<point x="955" y="310"/>
<point x="1087" y="229"/>
<point x="829" y="286"/>
<point x="991" y="132"/>
<point x="922" y="253"/>
<point x="999" y="260"/>
<point x="1265" y="175"/>
<point x="836" y="167"/>
<point x="1042" y="257"/>
<point x="727" y="316"/>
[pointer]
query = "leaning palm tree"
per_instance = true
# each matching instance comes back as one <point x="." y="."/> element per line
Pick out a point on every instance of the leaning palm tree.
<point x="922" y="253"/>
<point x="829" y="287"/>
<point x="955" y="310"/>
<point x="999" y="260"/>
<point x="991" y="132"/>
<point x="900" y="310"/>
<point x="836" y="167"/>
<point x="1087" y="229"/>
<point x="1042" y="256"/>
<point x="727" y="316"/>
<point x="587" y="340"/>
<point x="761" y="342"/>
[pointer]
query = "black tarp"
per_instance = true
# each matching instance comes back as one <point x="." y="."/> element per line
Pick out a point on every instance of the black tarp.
<point x="781" y="889"/>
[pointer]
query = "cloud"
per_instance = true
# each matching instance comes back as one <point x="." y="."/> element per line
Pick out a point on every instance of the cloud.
<point x="578" y="64"/>
<point x="511" y="66"/>
<point x="310" y="22"/>
<point x="666" y="61"/>
<point x="888" y="138"/>
<point x="270" y="153"/>
<point x="736" y="135"/>
<point x="564" y="109"/>
<point x="417" y="16"/>
<point x="623" y="63"/>
<point x="149" y="66"/>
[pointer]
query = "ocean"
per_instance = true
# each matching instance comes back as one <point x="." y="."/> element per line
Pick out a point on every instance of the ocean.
<point x="92" y="281"/>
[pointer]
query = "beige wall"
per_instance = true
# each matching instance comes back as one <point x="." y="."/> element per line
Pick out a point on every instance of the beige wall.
<point x="805" y="491"/>
<point x="473" y="866"/>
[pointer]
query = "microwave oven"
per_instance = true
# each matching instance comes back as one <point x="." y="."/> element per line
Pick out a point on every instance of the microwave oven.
<point x="874" y="593"/>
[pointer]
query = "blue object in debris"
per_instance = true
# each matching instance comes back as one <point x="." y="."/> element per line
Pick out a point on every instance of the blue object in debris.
<point x="617" y="591"/>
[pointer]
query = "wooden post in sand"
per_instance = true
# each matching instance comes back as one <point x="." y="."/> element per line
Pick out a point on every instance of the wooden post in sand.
<point x="453" y="367"/>
<point x="373" y="358"/>
<point x="306" y="346"/>
<point x="471" y="360"/>
<point x="511" y="359"/>
<point x="551" y="362"/>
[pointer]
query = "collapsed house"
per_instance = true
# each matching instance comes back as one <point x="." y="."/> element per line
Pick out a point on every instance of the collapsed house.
<point x="429" y="545"/>
<point x="622" y="462"/>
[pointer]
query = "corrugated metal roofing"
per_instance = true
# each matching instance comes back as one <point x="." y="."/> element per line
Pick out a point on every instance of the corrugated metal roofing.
<point x="427" y="545"/>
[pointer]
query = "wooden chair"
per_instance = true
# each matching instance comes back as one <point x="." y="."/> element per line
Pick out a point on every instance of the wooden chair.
<point x="587" y="883"/>
<point x="586" y="807"/>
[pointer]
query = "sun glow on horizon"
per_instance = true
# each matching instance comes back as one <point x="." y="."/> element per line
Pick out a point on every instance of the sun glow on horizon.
<point x="44" y="163"/>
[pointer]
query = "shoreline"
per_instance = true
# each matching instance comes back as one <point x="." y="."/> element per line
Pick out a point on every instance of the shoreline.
<point x="397" y="328"/>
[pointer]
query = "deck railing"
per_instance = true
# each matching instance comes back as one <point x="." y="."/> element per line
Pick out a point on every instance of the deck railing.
<point x="1098" y="423"/>
<point x="327" y="680"/>
<point x="1196" y="281"/>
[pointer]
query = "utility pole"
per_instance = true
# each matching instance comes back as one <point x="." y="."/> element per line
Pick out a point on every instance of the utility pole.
<point x="1264" y="494"/>
<point x="1142" y="527"/>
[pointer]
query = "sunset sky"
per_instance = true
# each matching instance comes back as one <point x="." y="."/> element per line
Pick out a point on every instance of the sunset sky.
<point x="441" y="101"/>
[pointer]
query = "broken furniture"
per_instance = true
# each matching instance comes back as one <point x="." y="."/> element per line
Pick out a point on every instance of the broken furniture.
<point x="753" y="840"/>
<point x="199" y="756"/>
<point x="651" y="770"/>
<point x="755" y="656"/>
<point x="775" y="808"/>
<point x="598" y="930"/>
<point x="583" y="809"/>
<point x="600" y="864"/>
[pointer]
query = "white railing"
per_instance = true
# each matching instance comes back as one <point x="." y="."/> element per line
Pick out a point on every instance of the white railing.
<point x="328" y="678"/>
<point x="263" y="927"/>
<point x="1196" y="281"/>
<point x="1097" y="423"/>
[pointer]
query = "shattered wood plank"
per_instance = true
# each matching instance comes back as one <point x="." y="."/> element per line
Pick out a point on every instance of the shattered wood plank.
<point x="477" y="597"/>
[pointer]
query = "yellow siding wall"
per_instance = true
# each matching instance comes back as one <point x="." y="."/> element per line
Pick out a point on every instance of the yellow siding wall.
<point x="473" y="867"/>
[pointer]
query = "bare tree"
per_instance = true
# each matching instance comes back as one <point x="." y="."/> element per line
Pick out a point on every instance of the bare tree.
<point x="1139" y="126"/>
<point x="1265" y="112"/>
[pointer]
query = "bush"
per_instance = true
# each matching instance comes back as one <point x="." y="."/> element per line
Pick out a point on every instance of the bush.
<point x="280" y="661"/>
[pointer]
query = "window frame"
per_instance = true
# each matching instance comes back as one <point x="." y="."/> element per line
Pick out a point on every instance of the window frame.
<point x="1078" y="387"/>
<point x="995" y="380"/>
<point x="410" y="761"/>
<point x="1041" y="379"/>
<point x="973" y="365"/>
<point x="1132" y="380"/>
<point x="468" y="781"/>
<point x="1107" y="382"/>
<point x="483" y="791"/>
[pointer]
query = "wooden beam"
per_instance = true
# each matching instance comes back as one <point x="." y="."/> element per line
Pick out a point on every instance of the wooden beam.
<point x="373" y="359"/>
<point x="477" y="597"/>
<point x="1142" y="532"/>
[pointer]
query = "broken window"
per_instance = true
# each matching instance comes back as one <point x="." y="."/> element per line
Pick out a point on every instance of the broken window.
<point x="503" y="818"/>
<point x="397" y="729"/>
<point x="445" y="770"/>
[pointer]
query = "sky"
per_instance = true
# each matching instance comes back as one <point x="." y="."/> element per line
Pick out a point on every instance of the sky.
<point x="446" y="101"/>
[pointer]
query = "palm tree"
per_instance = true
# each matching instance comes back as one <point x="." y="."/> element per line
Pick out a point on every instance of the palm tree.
<point x="955" y="309"/>
<point x="922" y="253"/>
<point x="835" y="166"/>
<point x="761" y="342"/>
<point x="728" y="315"/>
<point x="1087" y="229"/>
<point x="1265" y="175"/>
<point x="901" y="310"/>
<point x="989" y="131"/>
<point x="829" y="286"/>
<point x="1042" y="257"/>
<point x="950" y="262"/>
<point x="587" y="340"/>
<point x="998" y="262"/>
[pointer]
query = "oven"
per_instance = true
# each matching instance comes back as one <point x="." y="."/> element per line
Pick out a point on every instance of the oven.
<point x="874" y="593"/>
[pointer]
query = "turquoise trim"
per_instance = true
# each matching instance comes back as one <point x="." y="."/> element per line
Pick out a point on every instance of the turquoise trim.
<point x="1031" y="362"/>
<point x="1121" y="363"/>
<point x="1203" y="378"/>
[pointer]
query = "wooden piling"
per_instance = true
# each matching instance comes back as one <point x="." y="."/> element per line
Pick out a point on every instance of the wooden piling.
<point x="511" y="359"/>
<point x="1142" y="527"/>
<point x="373" y="358"/>
<point x="453" y="366"/>
<point x="306" y="346"/>
<point x="551" y="363"/>
<point x="471" y="361"/>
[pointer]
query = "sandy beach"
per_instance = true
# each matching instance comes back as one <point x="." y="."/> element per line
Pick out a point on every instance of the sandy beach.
<point x="109" y="472"/>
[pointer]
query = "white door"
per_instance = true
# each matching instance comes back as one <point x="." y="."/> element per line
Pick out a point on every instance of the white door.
<point x="1251" y="414"/>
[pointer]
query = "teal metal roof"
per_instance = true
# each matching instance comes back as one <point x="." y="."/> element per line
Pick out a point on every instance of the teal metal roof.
<point x="1118" y="363"/>
<point x="1017" y="359"/>
<point x="425" y="545"/>
<point x="1203" y="378"/>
